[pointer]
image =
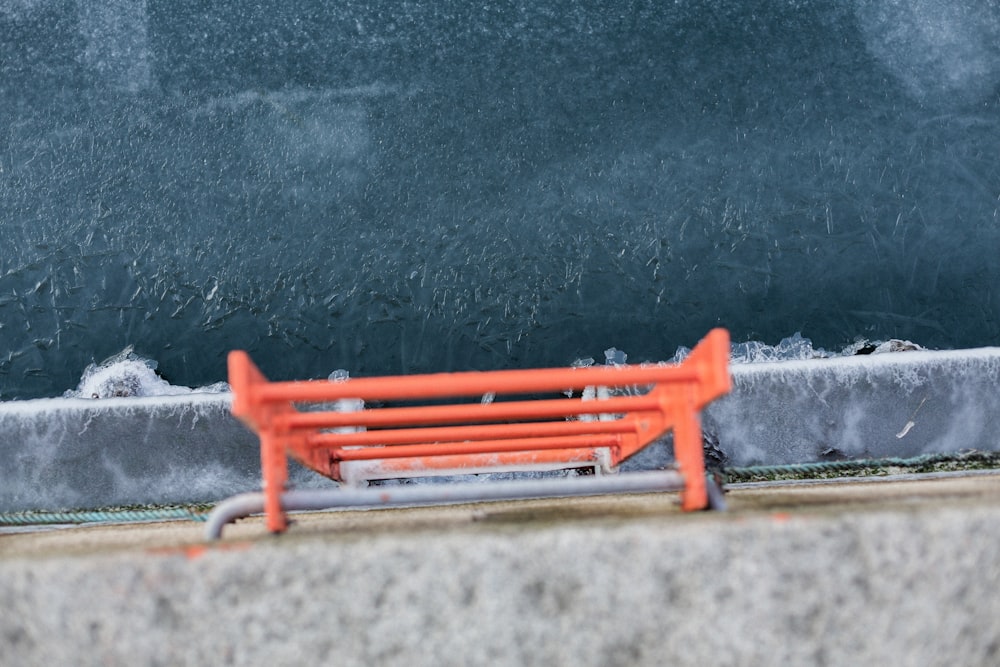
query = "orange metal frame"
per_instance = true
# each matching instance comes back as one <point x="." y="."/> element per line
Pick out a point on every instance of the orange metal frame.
<point x="514" y="434"/>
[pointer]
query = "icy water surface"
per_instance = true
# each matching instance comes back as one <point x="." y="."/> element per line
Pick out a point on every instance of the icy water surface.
<point x="400" y="187"/>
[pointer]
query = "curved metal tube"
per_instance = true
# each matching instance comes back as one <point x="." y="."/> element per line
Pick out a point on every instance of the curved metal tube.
<point x="246" y="504"/>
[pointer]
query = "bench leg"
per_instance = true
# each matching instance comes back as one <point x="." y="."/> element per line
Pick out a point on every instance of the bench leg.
<point x="690" y="456"/>
<point x="274" y="465"/>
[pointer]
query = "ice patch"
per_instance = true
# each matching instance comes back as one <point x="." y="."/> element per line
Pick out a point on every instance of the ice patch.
<point x="942" y="52"/>
<point x="125" y="375"/>
<point x="128" y="375"/>
<point x="798" y="348"/>
<point x="18" y="10"/>
<point x="116" y="38"/>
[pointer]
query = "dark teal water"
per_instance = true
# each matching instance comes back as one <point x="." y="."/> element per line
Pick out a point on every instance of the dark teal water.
<point x="399" y="187"/>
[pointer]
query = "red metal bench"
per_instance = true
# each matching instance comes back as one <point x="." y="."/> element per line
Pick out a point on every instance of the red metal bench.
<point x="529" y="423"/>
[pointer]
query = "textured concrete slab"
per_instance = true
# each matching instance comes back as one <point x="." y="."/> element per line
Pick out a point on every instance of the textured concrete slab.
<point x="72" y="453"/>
<point x="899" y="404"/>
<point x="892" y="573"/>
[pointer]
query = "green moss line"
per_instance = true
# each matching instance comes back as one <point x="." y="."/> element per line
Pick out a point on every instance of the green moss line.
<point x="946" y="462"/>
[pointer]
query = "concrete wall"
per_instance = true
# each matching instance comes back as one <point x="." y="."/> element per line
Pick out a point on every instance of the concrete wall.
<point x="894" y="587"/>
<point x="68" y="453"/>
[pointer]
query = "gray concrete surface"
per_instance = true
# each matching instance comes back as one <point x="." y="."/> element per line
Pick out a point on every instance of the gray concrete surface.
<point x="869" y="406"/>
<point x="82" y="453"/>
<point x="900" y="573"/>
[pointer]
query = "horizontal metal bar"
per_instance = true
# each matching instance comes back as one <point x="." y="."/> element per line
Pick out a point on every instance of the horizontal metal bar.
<point x="441" y="434"/>
<point x="467" y="413"/>
<point x="247" y="504"/>
<point x="472" y="383"/>
<point x="560" y="459"/>
<point x="499" y="447"/>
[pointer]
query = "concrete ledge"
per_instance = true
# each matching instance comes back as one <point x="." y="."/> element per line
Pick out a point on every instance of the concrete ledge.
<point x="899" y="574"/>
<point x="871" y="406"/>
<point x="71" y="453"/>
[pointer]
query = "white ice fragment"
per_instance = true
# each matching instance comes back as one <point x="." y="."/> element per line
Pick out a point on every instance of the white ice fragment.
<point x="614" y="357"/>
<point x="896" y="345"/>
<point x="794" y="347"/>
<point x="910" y="424"/>
<point x="128" y="375"/>
<point x="596" y="394"/>
<point x="123" y="375"/>
<point x="585" y="362"/>
<point x="345" y="404"/>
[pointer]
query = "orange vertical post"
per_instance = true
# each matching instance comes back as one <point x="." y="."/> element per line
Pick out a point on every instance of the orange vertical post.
<point x="274" y="464"/>
<point x="689" y="455"/>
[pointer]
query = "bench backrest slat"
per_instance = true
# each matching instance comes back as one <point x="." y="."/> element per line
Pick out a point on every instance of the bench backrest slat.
<point x="438" y="414"/>
<point x="472" y="383"/>
<point x="437" y="434"/>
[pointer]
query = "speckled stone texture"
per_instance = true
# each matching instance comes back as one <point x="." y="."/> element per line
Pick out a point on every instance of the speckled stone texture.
<point x="902" y="587"/>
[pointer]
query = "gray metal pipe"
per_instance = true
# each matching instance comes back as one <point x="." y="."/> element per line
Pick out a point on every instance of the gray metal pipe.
<point x="246" y="504"/>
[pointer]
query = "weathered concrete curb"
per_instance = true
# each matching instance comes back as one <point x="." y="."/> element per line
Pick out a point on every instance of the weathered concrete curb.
<point x="73" y="453"/>
<point x="870" y="406"/>
<point x="910" y="586"/>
